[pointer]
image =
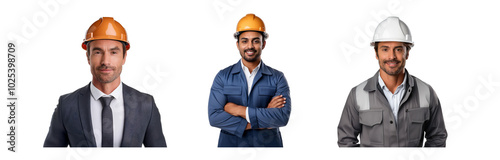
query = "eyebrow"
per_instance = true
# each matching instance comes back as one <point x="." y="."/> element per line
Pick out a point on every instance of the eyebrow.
<point x="388" y="47"/>
<point x="254" y="38"/>
<point x="96" y="48"/>
<point x="115" y="48"/>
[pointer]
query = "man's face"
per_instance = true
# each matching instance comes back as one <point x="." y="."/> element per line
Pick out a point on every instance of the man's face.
<point x="250" y="44"/>
<point x="392" y="57"/>
<point x="106" y="59"/>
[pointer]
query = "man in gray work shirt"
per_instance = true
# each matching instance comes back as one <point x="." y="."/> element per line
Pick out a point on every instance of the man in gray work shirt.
<point x="393" y="108"/>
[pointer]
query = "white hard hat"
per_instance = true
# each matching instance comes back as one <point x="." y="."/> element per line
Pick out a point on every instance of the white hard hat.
<point x="392" y="30"/>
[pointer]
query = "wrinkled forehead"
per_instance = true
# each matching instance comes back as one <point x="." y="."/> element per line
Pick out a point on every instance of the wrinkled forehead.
<point x="106" y="43"/>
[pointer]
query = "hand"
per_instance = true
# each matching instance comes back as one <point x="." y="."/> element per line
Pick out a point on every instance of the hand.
<point x="277" y="102"/>
<point x="235" y="110"/>
<point x="249" y="126"/>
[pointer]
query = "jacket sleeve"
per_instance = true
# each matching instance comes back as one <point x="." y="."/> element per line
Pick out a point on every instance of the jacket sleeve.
<point x="216" y="114"/>
<point x="57" y="136"/>
<point x="154" y="133"/>
<point x="349" y="126"/>
<point x="273" y="117"/>
<point x="435" y="131"/>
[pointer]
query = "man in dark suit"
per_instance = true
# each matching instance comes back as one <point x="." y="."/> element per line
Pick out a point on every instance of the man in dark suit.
<point x="106" y="112"/>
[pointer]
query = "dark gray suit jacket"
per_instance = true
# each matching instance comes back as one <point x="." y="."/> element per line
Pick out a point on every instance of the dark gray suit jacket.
<point x="72" y="124"/>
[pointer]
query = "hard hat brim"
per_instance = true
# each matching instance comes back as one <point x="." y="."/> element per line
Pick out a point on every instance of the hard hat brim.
<point x="391" y="40"/>
<point x="84" y="44"/>
<point x="264" y="34"/>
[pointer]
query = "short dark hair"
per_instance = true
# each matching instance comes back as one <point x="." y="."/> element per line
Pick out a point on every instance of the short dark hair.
<point x="237" y="35"/>
<point x="124" y="47"/>
<point x="407" y="45"/>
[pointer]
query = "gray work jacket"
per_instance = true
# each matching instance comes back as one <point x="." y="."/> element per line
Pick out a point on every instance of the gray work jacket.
<point x="367" y="113"/>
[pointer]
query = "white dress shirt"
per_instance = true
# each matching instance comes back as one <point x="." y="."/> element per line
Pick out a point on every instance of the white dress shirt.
<point x="117" y="107"/>
<point x="250" y="77"/>
<point x="393" y="99"/>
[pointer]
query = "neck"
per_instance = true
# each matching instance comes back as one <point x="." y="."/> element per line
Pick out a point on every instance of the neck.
<point x="392" y="81"/>
<point x="106" y="88"/>
<point x="250" y="65"/>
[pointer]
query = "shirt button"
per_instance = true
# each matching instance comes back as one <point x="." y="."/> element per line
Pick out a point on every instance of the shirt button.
<point x="391" y="122"/>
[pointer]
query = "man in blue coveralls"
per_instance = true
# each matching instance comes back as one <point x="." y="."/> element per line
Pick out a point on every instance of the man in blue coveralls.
<point x="249" y="100"/>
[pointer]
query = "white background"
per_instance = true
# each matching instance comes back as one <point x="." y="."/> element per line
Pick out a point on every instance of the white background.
<point x="177" y="47"/>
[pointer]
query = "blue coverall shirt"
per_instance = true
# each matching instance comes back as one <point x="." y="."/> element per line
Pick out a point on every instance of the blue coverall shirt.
<point x="230" y="85"/>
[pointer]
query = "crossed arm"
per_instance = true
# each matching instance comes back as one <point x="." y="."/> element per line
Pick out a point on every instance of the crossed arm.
<point x="240" y="111"/>
<point x="232" y="118"/>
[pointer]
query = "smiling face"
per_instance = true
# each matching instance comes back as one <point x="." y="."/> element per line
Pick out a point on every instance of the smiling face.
<point x="106" y="58"/>
<point x="392" y="57"/>
<point x="250" y="44"/>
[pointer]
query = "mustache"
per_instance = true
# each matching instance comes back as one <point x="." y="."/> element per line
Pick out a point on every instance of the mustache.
<point x="393" y="60"/>
<point x="105" y="67"/>
<point x="253" y="50"/>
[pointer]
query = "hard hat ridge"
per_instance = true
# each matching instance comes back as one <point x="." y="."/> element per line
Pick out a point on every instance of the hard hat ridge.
<point x="250" y="23"/>
<point x="392" y="29"/>
<point x="106" y="28"/>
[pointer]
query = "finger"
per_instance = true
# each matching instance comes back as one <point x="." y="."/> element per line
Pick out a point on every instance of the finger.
<point x="274" y="100"/>
<point x="274" y="105"/>
<point x="279" y="103"/>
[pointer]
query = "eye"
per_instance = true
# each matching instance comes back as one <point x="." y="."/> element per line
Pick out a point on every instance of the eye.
<point x="385" y="49"/>
<point x="97" y="52"/>
<point x="114" y="52"/>
<point x="256" y="41"/>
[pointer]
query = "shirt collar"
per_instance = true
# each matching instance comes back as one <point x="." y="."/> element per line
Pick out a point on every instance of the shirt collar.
<point x="383" y="86"/>
<point x="246" y="70"/>
<point x="96" y="93"/>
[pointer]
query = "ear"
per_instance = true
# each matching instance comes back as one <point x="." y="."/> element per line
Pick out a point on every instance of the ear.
<point x="376" y="54"/>
<point x="407" y="54"/>
<point x="237" y="44"/>
<point x="264" y="44"/>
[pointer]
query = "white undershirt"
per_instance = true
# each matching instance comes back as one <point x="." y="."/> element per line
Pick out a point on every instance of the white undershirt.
<point x="117" y="107"/>
<point x="250" y="77"/>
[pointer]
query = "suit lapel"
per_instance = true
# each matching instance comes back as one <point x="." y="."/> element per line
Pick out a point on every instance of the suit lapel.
<point x="131" y="117"/>
<point x="85" y="117"/>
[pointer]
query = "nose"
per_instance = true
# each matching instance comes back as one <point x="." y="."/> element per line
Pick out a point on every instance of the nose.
<point x="392" y="55"/>
<point x="251" y="45"/>
<point x="105" y="58"/>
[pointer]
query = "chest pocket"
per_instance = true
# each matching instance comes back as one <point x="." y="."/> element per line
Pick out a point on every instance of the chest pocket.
<point x="267" y="91"/>
<point x="232" y="90"/>
<point x="417" y="117"/>
<point x="233" y="94"/>
<point x="372" y="128"/>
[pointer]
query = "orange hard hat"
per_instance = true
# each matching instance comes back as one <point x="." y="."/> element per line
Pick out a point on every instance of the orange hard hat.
<point x="251" y="23"/>
<point x="106" y="28"/>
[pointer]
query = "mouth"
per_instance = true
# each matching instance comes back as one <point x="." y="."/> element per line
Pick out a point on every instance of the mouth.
<point x="250" y="52"/>
<point x="105" y="69"/>
<point x="392" y="64"/>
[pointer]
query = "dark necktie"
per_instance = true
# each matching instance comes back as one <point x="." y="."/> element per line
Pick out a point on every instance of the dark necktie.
<point x="107" y="122"/>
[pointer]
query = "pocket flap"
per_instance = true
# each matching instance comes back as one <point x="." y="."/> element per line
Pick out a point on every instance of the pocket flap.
<point x="419" y="115"/>
<point x="267" y="91"/>
<point x="232" y="90"/>
<point x="370" y="117"/>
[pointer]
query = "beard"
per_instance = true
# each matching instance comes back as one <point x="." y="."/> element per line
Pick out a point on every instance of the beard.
<point x="250" y="59"/>
<point x="391" y="71"/>
<point x="107" y="78"/>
